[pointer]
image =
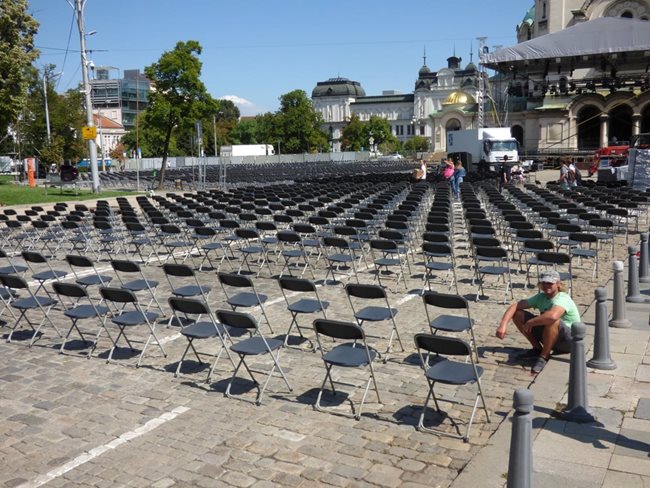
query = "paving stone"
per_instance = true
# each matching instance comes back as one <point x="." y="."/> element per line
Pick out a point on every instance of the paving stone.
<point x="643" y="409"/>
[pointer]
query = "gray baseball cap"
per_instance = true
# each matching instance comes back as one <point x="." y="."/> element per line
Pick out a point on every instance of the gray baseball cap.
<point x="550" y="276"/>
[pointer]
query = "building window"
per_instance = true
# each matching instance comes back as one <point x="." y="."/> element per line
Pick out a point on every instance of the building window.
<point x="543" y="10"/>
<point x="627" y="14"/>
<point x="421" y="130"/>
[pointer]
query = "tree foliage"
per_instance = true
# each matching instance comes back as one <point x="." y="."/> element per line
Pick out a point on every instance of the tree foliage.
<point x="417" y="144"/>
<point x="180" y="97"/>
<point x="357" y="134"/>
<point x="296" y="126"/>
<point x="17" y="53"/>
<point x="354" y="135"/>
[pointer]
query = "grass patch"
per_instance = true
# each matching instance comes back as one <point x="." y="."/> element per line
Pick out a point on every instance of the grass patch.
<point x="16" y="194"/>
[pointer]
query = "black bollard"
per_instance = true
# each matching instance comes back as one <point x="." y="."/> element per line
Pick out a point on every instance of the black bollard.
<point x="520" y="463"/>
<point x="602" y="358"/>
<point x="577" y="409"/>
<point x="644" y="264"/>
<point x="633" y="291"/>
<point x="619" y="319"/>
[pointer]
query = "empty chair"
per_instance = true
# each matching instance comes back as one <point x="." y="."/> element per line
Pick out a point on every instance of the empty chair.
<point x="33" y="258"/>
<point x="387" y="255"/>
<point x="492" y="261"/>
<point x="126" y="313"/>
<point x="255" y="345"/>
<point x="253" y="247"/>
<point x="439" y="257"/>
<point x="449" y="323"/>
<point x="584" y="246"/>
<point x="353" y="354"/>
<point x="341" y="258"/>
<point x="293" y="253"/>
<point x="302" y="306"/>
<point x="188" y="311"/>
<point x="232" y="284"/>
<point x="448" y="372"/>
<point x="85" y="279"/>
<point x="360" y="297"/>
<point x="12" y="267"/>
<point x="41" y="304"/>
<point x="138" y="285"/>
<point x="80" y="307"/>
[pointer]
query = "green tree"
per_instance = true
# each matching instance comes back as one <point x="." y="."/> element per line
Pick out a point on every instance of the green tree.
<point x="245" y="132"/>
<point x="417" y="144"/>
<point x="180" y="97"/>
<point x="379" y="129"/>
<point x="17" y="53"/>
<point x="298" y="126"/>
<point x="354" y="135"/>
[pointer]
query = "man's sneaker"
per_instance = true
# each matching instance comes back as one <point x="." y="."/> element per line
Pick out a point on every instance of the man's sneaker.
<point x="529" y="354"/>
<point x="539" y="365"/>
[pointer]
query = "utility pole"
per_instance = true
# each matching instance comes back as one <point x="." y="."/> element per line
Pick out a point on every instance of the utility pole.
<point x="92" y="147"/>
<point x="47" y="110"/>
<point x="481" y="84"/>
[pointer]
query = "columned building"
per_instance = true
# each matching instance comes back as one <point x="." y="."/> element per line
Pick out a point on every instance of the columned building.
<point x="578" y="78"/>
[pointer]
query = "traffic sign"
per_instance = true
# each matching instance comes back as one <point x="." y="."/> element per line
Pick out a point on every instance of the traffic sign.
<point x="89" y="132"/>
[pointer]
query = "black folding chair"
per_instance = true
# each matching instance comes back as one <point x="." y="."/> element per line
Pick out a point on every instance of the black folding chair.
<point x="189" y="311"/>
<point x="353" y="354"/>
<point x="118" y="301"/>
<point x="85" y="279"/>
<point x="243" y="299"/>
<point x="33" y="258"/>
<point x="439" y="369"/>
<point x="75" y="310"/>
<point x="303" y="306"/>
<point x="140" y="284"/>
<point x="256" y="345"/>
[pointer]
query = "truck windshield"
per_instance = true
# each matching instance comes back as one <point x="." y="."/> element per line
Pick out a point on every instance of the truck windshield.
<point x="503" y="145"/>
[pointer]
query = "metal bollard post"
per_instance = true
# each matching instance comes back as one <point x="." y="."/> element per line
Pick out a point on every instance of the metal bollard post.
<point x="633" y="291"/>
<point x="520" y="463"/>
<point x="577" y="409"/>
<point x="644" y="263"/>
<point x="619" y="319"/>
<point x="602" y="358"/>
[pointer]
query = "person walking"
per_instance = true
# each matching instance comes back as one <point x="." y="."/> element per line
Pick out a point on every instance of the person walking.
<point x="457" y="179"/>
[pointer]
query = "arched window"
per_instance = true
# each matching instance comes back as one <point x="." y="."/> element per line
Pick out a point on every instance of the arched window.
<point x="453" y="125"/>
<point x="627" y="14"/>
<point x="589" y="127"/>
<point x="620" y="123"/>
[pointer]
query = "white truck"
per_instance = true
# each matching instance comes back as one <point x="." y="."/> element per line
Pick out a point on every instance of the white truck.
<point x="247" y="150"/>
<point x="492" y="144"/>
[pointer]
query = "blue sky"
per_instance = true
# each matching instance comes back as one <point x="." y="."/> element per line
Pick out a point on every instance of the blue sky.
<point x="256" y="50"/>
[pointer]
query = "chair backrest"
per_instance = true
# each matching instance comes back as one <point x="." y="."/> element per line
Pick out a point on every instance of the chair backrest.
<point x="33" y="257"/>
<point x="125" y="266"/>
<point x="288" y="236"/>
<point x="176" y="269"/>
<point x="338" y="329"/>
<point x="538" y="244"/>
<point x="365" y="291"/>
<point x="117" y="295"/>
<point x="13" y="281"/>
<point x="554" y="257"/>
<point x="188" y="306"/>
<point x="238" y="320"/>
<point x="444" y="300"/>
<point x="491" y="252"/>
<point x="583" y="237"/>
<point x="235" y="280"/>
<point x="383" y="245"/>
<point x="338" y="242"/>
<point x="436" y="248"/>
<point x="72" y="290"/>
<point x="438" y="344"/>
<point x="80" y="261"/>
<point x="296" y="284"/>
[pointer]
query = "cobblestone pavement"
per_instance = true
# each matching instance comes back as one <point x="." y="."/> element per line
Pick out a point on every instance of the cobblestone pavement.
<point x="72" y="421"/>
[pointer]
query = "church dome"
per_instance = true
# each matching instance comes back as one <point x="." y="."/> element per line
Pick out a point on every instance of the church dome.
<point x="471" y="67"/>
<point x="424" y="70"/>
<point x="336" y="87"/>
<point x="459" y="98"/>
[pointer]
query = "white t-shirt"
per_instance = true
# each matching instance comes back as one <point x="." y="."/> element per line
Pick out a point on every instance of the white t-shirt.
<point x="423" y="168"/>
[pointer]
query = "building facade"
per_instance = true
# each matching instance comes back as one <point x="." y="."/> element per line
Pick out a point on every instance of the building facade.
<point x="442" y="101"/>
<point x="119" y="99"/>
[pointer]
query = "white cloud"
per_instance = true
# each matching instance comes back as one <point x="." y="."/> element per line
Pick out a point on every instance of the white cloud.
<point x="246" y="107"/>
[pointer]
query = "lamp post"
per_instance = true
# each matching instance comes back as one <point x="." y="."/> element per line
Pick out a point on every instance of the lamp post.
<point x="46" y="77"/>
<point x="92" y="147"/>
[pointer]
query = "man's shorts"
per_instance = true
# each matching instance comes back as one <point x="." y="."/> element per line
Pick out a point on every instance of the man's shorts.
<point x="563" y="343"/>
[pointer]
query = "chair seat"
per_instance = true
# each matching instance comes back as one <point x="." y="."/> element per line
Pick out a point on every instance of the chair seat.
<point x="349" y="355"/>
<point x="139" y="285"/>
<point x="451" y="323"/>
<point x="12" y="270"/>
<point x="191" y="290"/>
<point x="85" y="312"/>
<point x="376" y="314"/>
<point x="134" y="317"/>
<point x="94" y="280"/>
<point x="438" y="266"/>
<point x="453" y="372"/>
<point x="33" y="302"/>
<point x="178" y="244"/>
<point x="255" y="345"/>
<point x="493" y="270"/>
<point x="247" y="299"/>
<point x="387" y="262"/>
<point x="211" y="246"/>
<point x="293" y="253"/>
<point x="50" y="275"/>
<point x="584" y="253"/>
<point x="252" y="250"/>
<point x="340" y="258"/>
<point x="307" y="305"/>
<point x="202" y="330"/>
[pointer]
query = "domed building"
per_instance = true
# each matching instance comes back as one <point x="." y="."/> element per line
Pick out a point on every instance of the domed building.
<point x="442" y="100"/>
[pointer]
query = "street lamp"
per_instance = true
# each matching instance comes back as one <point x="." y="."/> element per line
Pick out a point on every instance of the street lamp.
<point x="46" y="77"/>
